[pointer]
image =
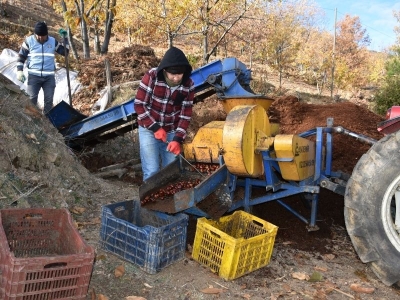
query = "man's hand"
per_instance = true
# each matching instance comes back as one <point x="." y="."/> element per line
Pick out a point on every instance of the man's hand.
<point x="174" y="147"/>
<point x="160" y="134"/>
<point x="21" y="76"/>
<point x="62" y="32"/>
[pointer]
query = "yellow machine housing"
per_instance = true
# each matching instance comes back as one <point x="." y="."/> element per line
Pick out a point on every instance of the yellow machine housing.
<point x="241" y="138"/>
<point x="207" y="143"/>
<point x="301" y="151"/>
<point x="206" y="146"/>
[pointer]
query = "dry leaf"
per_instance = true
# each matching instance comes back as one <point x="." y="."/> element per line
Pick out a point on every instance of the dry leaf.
<point x="100" y="257"/>
<point x="101" y="297"/>
<point x="78" y="225"/>
<point x="361" y="289"/>
<point x="32" y="137"/>
<point x="147" y="285"/>
<point x="275" y="296"/>
<point x="77" y="210"/>
<point x="287" y="243"/>
<point x="329" y="286"/>
<point x="96" y="220"/>
<point x="246" y="296"/>
<point x="320" y="294"/>
<point x="119" y="271"/>
<point x="300" y="276"/>
<point x="328" y="257"/>
<point x="322" y="269"/>
<point x="286" y="287"/>
<point x="212" y="291"/>
<point x="32" y="111"/>
<point x="134" y="298"/>
<point x="93" y="295"/>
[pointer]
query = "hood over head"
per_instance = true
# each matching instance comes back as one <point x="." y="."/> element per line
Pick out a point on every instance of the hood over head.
<point x="175" y="62"/>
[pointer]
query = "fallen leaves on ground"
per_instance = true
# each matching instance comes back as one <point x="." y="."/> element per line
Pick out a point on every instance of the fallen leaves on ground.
<point x="119" y="271"/>
<point x="77" y="210"/>
<point x="300" y="276"/>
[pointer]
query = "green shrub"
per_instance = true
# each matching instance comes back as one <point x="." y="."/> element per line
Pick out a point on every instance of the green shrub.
<point x="194" y="60"/>
<point x="388" y="95"/>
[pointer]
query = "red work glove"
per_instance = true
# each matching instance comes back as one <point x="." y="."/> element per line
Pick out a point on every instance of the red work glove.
<point x="160" y="134"/>
<point x="174" y="147"/>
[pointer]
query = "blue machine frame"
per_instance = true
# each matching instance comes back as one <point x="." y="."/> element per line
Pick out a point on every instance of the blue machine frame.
<point x="275" y="189"/>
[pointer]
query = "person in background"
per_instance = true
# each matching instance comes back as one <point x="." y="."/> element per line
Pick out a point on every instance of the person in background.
<point x="163" y="104"/>
<point x="39" y="51"/>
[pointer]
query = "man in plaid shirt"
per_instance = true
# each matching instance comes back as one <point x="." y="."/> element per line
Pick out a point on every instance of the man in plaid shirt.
<point x="163" y="104"/>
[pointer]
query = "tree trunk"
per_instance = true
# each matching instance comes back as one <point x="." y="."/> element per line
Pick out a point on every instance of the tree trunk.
<point x="108" y="26"/>
<point x="84" y="31"/>
<point x="205" y="47"/>
<point x="96" y="43"/>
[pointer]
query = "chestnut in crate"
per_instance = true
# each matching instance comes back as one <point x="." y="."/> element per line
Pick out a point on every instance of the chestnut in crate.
<point x="170" y="190"/>
<point x="180" y="185"/>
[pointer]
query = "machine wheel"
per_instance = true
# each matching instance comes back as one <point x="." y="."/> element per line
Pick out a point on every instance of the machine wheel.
<point x="371" y="215"/>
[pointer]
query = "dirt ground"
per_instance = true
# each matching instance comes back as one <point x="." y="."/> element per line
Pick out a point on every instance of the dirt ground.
<point x="37" y="169"/>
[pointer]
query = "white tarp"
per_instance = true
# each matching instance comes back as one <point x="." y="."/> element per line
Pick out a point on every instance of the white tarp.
<point x="8" y="67"/>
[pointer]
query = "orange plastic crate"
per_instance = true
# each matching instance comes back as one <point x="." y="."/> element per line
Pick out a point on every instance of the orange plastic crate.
<point x="42" y="256"/>
<point x="234" y="245"/>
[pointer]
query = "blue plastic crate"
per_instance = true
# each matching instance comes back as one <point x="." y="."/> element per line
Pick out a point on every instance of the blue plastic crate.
<point x="149" y="239"/>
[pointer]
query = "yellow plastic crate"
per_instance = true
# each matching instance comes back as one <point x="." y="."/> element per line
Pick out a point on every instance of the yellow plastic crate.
<point x="234" y="245"/>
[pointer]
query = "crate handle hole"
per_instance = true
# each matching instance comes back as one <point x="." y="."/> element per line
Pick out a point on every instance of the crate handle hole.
<point x="56" y="265"/>
<point x="33" y="216"/>
<point x="258" y="223"/>
<point x="215" y="234"/>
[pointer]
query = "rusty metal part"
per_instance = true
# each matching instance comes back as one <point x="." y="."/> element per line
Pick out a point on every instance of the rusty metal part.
<point x="209" y="195"/>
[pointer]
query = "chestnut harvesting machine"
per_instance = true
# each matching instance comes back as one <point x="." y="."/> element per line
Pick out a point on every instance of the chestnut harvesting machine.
<point x="257" y="164"/>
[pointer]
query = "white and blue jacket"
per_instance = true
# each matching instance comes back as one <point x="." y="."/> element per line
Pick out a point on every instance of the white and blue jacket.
<point x="39" y="57"/>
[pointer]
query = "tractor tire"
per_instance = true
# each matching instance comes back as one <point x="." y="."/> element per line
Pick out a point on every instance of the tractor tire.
<point x="370" y="208"/>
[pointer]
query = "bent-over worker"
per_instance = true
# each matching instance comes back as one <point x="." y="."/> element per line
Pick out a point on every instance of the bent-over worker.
<point x="163" y="104"/>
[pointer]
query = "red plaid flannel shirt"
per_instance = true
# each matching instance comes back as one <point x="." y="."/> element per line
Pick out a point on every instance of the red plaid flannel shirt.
<point x="157" y="106"/>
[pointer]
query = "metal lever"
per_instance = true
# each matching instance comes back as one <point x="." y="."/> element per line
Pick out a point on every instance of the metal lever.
<point x="181" y="156"/>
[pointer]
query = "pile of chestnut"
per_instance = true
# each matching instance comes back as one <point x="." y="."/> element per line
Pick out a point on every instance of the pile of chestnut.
<point x="206" y="168"/>
<point x="170" y="190"/>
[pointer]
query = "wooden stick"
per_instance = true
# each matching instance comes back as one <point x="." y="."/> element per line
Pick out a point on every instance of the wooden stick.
<point x="348" y="295"/>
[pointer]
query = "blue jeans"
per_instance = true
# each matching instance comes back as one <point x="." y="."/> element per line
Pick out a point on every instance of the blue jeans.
<point x="153" y="152"/>
<point x="35" y="83"/>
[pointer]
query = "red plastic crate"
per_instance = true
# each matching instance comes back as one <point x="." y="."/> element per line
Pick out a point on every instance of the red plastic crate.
<point x="42" y="256"/>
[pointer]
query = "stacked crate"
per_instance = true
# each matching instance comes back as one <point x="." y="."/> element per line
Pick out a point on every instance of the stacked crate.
<point x="42" y="256"/>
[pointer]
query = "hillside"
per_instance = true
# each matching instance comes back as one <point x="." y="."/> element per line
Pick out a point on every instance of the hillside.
<point x="37" y="169"/>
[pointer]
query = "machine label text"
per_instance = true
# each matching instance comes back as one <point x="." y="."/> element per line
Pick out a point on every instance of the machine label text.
<point x="307" y="163"/>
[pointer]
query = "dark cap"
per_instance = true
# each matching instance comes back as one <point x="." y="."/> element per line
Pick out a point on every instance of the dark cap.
<point x="41" y="29"/>
<point x="176" y="69"/>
